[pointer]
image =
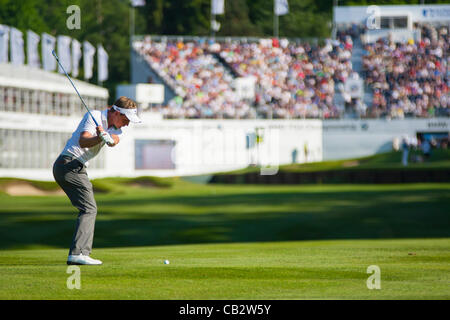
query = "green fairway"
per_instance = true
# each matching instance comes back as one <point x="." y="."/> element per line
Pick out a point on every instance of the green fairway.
<point x="233" y="242"/>
<point x="283" y="270"/>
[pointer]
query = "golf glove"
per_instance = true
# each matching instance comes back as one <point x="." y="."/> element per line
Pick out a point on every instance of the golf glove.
<point x="106" y="138"/>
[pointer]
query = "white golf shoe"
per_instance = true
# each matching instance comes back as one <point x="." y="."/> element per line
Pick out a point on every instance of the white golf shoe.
<point x="81" y="259"/>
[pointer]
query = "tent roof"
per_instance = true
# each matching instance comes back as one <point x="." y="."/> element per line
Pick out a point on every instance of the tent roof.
<point x="26" y="77"/>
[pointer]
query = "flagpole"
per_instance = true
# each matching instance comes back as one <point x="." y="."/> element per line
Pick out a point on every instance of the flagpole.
<point x="213" y="19"/>
<point x="275" y="20"/>
<point x="334" y="30"/>
<point x="275" y="25"/>
<point x="132" y="18"/>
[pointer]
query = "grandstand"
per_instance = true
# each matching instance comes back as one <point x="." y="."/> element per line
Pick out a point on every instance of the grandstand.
<point x="292" y="80"/>
<point x="298" y="81"/>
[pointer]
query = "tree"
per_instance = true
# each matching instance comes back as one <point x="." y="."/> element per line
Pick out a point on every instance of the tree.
<point x="306" y="18"/>
<point x="236" y="21"/>
<point x="177" y="17"/>
<point x="22" y="15"/>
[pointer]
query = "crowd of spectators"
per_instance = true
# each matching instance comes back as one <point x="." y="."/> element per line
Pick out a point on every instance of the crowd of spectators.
<point x="202" y="84"/>
<point x="292" y="80"/>
<point x="298" y="80"/>
<point x="409" y="78"/>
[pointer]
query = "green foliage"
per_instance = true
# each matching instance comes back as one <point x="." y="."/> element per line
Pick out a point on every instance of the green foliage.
<point x="177" y="17"/>
<point x="236" y="21"/>
<point x="306" y="18"/>
<point x="23" y="15"/>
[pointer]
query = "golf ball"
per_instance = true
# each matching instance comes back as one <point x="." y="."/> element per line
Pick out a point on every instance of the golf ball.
<point x="166" y="261"/>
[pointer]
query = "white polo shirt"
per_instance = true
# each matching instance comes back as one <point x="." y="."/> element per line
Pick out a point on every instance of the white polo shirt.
<point x="73" y="148"/>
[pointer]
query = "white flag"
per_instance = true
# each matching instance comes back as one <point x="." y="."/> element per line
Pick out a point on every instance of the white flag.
<point x="281" y="7"/>
<point x="17" y="53"/>
<point x="64" y="54"/>
<point x="215" y="25"/>
<point x="217" y="7"/>
<point x="76" y="56"/>
<point x="137" y="3"/>
<point x="32" y="49"/>
<point x="4" y="43"/>
<point x="88" y="59"/>
<point x="102" y="63"/>
<point x="48" y="45"/>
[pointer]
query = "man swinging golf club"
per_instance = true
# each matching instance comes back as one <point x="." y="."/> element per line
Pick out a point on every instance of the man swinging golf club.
<point x="96" y="129"/>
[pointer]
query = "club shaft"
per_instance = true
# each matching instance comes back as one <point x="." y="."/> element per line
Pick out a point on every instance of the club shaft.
<point x="73" y="85"/>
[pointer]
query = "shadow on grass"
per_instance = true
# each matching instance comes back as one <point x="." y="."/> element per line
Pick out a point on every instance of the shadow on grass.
<point x="239" y="217"/>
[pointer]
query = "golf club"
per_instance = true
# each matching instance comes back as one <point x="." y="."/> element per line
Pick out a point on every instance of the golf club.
<point x="56" y="57"/>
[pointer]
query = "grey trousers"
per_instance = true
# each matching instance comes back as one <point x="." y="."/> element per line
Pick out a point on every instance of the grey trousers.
<point x="72" y="177"/>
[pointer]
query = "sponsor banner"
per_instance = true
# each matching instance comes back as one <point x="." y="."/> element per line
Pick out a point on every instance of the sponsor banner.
<point x="245" y="88"/>
<point x="418" y="13"/>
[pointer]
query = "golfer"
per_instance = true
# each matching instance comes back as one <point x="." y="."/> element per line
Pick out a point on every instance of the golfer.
<point x="70" y="173"/>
